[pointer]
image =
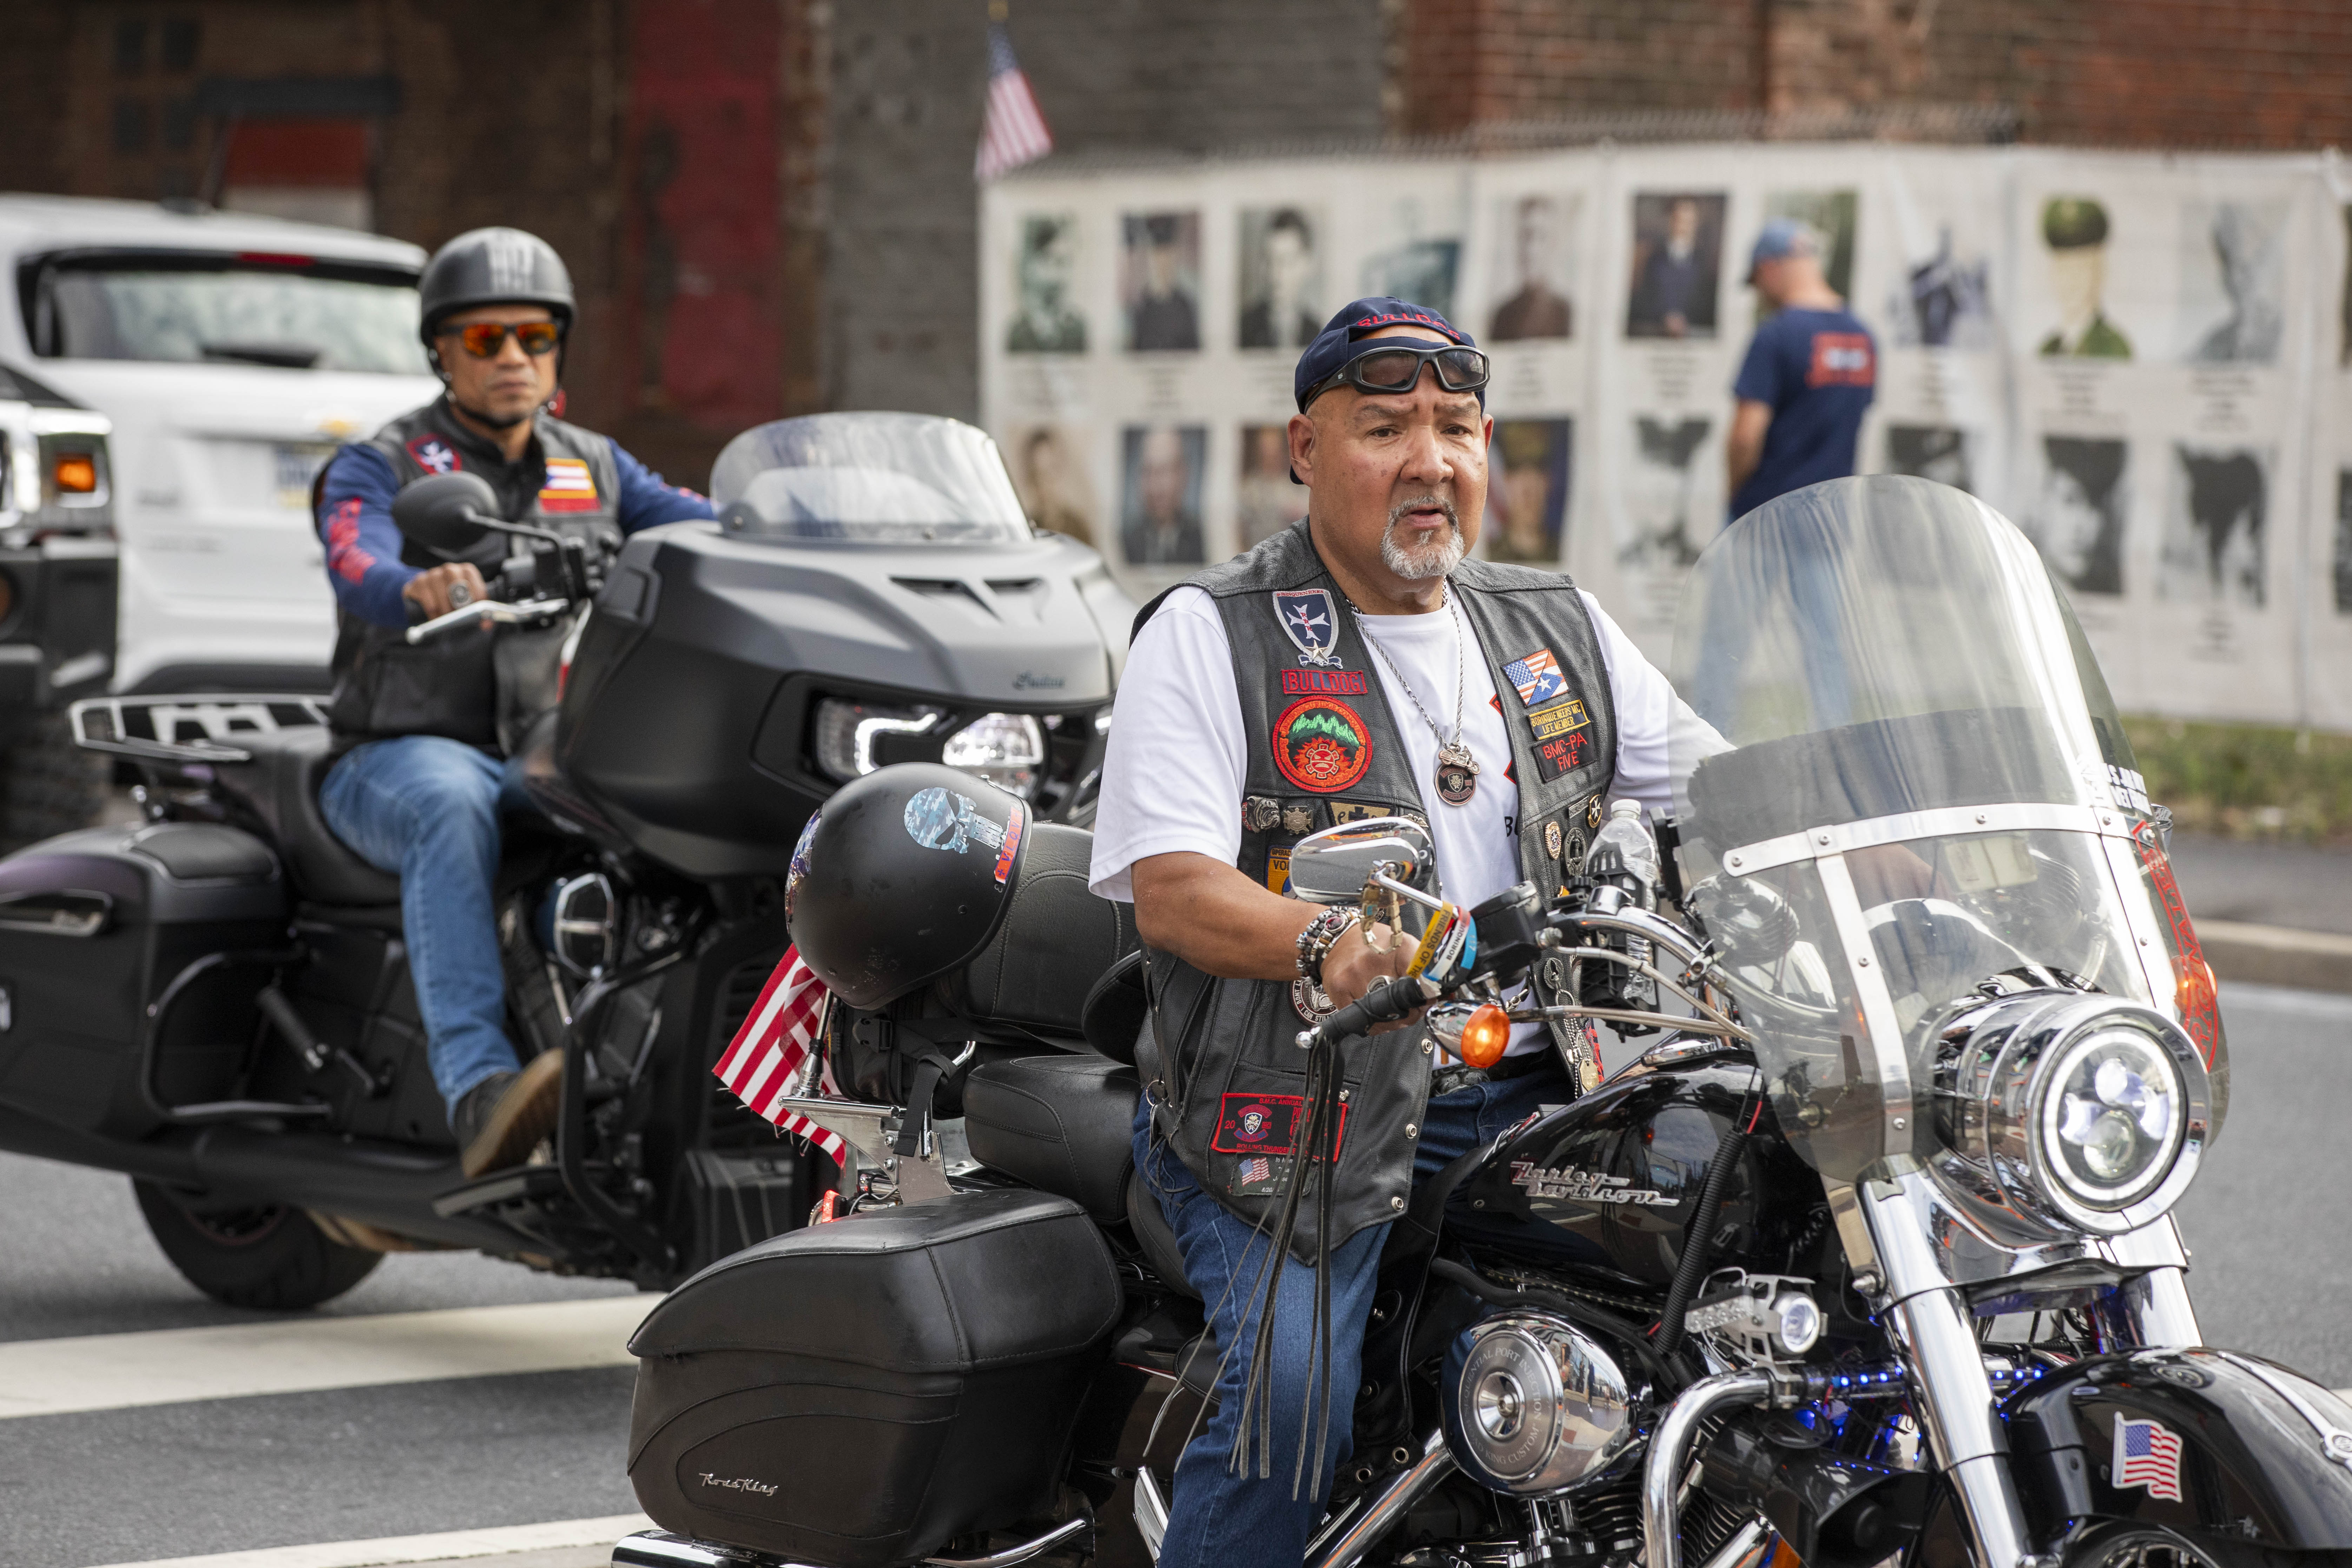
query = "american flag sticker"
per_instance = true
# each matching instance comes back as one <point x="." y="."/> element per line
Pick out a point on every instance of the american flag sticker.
<point x="2147" y="1455"/>
<point x="569" y="487"/>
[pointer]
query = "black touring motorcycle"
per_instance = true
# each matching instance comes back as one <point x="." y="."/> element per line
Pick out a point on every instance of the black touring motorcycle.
<point x="218" y="1001"/>
<point x="1866" y="1256"/>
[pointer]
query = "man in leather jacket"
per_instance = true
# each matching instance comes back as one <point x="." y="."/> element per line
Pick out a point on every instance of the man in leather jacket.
<point x="423" y="727"/>
<point x="1355" y="665"/>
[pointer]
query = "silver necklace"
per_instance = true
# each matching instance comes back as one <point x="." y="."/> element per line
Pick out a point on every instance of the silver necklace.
<point x="1457" y="770"/>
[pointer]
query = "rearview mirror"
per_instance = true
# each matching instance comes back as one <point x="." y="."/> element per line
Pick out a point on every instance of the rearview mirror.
<point x="438" y="511"/>
<point x="1333" y="867"/>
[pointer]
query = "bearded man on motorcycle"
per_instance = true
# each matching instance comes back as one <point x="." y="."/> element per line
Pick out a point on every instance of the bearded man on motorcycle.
<point x="1356" y="665"/>
<point x="421" y="779"/>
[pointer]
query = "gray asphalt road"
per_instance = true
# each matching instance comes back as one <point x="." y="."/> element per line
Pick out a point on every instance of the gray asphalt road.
<point x="2272" y="1268"/>
<point x="2302" y="885"/>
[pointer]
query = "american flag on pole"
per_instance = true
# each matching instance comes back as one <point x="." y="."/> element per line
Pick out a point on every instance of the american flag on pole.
<point x="2146" y="1455"/>
<point x="770" y="1057"/>
<point x="1015" y="133"/>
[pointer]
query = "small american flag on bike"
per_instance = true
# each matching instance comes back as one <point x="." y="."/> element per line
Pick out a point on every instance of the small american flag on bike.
<point x="2146" y="1455"/>
<point x="772" y="1058"/>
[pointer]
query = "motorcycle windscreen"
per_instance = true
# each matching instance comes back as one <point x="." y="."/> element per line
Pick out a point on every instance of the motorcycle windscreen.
<point x="866" y="478"/>
<point x="1855" y="655"/>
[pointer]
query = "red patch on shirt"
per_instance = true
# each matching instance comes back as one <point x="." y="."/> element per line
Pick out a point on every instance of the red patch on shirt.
<point x="1843" y="359"/>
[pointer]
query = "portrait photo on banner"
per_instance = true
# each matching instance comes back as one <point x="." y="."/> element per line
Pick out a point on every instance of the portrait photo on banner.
<point x="1531" y="281"/>
<point x="1416" y="253"/>
<point x="1677" y="264"/>
<point x="1281" y="299"/>
<point x="1662" y="529"/>
<point x="1045" y="271"/>
<point x="1265" y="502"/>
<point x="1528" y="492"/>
<point x="1048" y="462"/>
<point x="1943" y="298"/>
<point x="2077" y="520"/>
<point x="2233" y="281"/>
<point x="2074" y="232"/>
<point x="1161" y="467"/>
<point x="1160" y="281"/>
<point x="1937" y="452"/>
<point x="2215" y="546"/>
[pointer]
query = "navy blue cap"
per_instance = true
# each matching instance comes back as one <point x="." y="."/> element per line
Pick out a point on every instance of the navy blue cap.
<point x="1335" y="345"/>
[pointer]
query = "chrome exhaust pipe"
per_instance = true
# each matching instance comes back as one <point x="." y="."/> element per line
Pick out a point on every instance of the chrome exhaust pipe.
<point x="1669" y="1456"/>
<point x="1387" y="1506"/>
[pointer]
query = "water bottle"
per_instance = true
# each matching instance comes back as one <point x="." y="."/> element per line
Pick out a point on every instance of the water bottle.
<point x="1625" y="846"/>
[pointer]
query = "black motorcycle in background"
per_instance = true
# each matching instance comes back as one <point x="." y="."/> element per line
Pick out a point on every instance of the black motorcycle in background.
<point x="1865" y="1255"/>
<point x="217" y="1002"/>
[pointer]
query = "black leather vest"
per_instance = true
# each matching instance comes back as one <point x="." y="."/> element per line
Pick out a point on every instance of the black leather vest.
<point x="1323" y="750"/>
<point x="478" y="686"/>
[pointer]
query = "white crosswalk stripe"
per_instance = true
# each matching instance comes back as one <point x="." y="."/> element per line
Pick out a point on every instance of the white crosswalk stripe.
<point x="167" y="1366"/>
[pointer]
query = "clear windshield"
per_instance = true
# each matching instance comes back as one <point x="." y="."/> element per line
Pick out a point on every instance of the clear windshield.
<point x="867" y="478"/>
<point x="286" y="313"/>
<point x="1908" y="767"/>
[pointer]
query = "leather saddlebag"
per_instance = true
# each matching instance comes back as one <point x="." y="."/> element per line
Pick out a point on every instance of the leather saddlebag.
<point x="859" y="1393"/>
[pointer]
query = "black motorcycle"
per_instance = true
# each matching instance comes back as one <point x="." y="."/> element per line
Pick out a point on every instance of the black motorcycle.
<point x="1866" y="1254"/>
<point x="218" y="1001"/>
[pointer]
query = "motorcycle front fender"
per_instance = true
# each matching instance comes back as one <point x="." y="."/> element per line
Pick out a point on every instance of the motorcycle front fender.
<point x="2264" y="1455"/>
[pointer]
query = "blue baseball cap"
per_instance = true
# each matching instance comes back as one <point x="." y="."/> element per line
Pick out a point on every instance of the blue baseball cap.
<point x="1335" y="345"/>
<point x="1782" y="237"/>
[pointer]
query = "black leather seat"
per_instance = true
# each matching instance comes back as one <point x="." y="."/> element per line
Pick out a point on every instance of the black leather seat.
<point x="279" y="788"/>
<point x="1065" y="1124"/>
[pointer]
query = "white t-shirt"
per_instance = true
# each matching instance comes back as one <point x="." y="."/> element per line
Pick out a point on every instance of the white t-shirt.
<point x="1174" y="769"/>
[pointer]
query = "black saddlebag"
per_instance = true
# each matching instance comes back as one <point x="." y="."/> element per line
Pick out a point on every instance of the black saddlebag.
<point x="95" y="926"/>
<point x="858" y="1394"/>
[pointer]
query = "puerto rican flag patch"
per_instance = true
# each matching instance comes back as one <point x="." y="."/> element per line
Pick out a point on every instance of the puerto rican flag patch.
<point x="2147" y="1454"/>
<point x="569" y="487"/>
<point x="1536" y="677"/>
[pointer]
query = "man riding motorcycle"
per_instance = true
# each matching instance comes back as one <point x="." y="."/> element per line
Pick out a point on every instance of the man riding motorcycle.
<point x="1508" y="709"/>
<point x="423" y="728"/>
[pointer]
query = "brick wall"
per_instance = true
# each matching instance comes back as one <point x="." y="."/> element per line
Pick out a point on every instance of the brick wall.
<point x="1469" y="62"/>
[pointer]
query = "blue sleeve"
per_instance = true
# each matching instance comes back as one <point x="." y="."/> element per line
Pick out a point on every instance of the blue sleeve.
<point x="646" y="501"/>
<point x="1761" y="374"/>
<point x="362" y="542"/>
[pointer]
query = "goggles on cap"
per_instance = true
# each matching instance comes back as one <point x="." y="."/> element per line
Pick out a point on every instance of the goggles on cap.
<point x="1389" y="366"/>
<point x="483" y="339"/>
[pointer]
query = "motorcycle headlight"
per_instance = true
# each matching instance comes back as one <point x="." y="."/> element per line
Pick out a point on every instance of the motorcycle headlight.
<point x="850" y="740"/>
<point x="1006" y="749"/>
<point x="2080" y="1114"/>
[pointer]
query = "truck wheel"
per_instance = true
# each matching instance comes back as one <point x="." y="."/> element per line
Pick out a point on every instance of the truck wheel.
<point x="272" y="1258"/>
<point x="49" y="785"/>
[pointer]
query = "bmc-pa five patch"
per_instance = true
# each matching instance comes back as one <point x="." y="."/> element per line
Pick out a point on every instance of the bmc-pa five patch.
<point x="1322" y="744"/>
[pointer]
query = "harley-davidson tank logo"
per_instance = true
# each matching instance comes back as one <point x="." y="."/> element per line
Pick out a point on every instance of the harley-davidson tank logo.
<point x="1321" y="744"/>
<point x="1584" y="1187"/>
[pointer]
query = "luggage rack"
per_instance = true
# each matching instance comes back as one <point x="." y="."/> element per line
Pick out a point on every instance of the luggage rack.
<point x="155" y="729"/>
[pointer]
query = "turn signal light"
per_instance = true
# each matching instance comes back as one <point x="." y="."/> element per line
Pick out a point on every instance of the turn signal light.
<point x="1485" y="1036"/>
<point x="76" y="474"/>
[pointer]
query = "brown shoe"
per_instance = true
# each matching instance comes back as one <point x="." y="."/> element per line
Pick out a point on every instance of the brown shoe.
<point x="501" y="1119"/>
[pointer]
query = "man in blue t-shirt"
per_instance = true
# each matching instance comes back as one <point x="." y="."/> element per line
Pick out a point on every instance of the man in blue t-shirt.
<point x="1807" y="380"/>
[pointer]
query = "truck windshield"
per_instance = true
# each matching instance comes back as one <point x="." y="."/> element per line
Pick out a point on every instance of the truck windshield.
<point x="288" y="313"/>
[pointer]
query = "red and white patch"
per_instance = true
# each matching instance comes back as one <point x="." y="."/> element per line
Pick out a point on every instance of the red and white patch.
<point x="1843" y="359"/>
<point x="434" y="455"/>
<point x="569" y="487"/>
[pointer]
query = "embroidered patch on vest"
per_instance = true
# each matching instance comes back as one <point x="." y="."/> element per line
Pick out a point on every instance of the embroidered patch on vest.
<point x="1346" y="811"/>
<point x="434" y="455"/>
<point x="1562" y="753"/>
<point x="568" y="487"/>
<point x="1324" y="683"/>
<point x="1264" y="1124"/>
<point x="1259" y="1176"/>
<point x="1277" y="870"/>
<point x="1536" y="677"/>
<point x="1321" y="744"/>
<point x="1311" y="624"/>
<point x="1558" y="719"/>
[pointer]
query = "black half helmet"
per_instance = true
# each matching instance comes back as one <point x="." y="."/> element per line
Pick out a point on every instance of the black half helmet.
<point x="903" y="877"/>
<point x="493" y="267"/>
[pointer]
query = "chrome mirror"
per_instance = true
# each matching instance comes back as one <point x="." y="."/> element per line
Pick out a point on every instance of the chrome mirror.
<point x="1334" y="866"/>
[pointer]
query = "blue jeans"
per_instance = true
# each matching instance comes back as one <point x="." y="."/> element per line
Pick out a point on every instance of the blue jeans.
<point x="426" y="810"/>
<point x="1220" y="1519"/>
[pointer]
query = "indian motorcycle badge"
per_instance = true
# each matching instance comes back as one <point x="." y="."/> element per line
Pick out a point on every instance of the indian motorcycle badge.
<point x="1321" y="744"/>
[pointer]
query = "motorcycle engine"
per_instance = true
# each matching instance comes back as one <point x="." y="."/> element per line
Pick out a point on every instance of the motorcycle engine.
<point x="1535" y="1406"/>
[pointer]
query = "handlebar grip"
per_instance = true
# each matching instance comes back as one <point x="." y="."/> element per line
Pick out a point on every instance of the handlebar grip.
<point x="1386" y="1002"/>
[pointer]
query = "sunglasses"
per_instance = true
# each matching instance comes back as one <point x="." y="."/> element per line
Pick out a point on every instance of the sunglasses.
<point x="483" y="339"/>
<point x="1387" y="368"/>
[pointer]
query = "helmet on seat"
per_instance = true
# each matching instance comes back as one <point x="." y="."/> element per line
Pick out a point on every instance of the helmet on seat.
<point x="903" y="877"/>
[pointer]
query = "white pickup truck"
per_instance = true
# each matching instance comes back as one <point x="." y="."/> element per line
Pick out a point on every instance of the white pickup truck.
<point x="232" y="353"/>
